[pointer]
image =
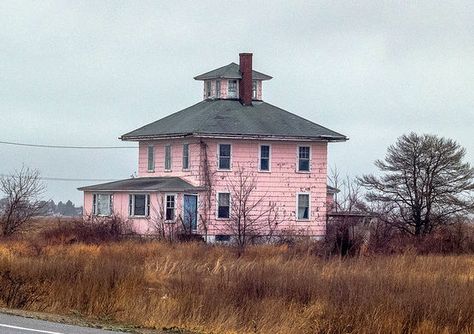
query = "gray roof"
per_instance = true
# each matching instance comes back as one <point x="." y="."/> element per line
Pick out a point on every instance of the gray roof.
<point x="231" y="71"/>
<point x="229" y="118"/>
<point x="144" y="184"/>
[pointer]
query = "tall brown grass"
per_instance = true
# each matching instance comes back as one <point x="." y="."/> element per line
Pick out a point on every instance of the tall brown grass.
<point x="269" y="289"/>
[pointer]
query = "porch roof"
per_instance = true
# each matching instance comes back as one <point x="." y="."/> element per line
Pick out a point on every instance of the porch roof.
<point x="140" y="184"/>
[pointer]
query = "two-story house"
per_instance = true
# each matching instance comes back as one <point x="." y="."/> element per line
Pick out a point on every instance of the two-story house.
<point x="190" y="163"/>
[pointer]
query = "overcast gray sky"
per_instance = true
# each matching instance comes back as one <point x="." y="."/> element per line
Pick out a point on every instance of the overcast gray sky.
<point x="85" y="72"/>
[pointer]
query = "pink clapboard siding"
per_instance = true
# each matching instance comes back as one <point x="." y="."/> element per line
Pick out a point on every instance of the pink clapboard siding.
<point x="281" y="185"/>
<point x="140" y="225"/>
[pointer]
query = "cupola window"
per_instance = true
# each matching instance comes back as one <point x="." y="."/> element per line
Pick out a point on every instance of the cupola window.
<point x="232" y="88"/>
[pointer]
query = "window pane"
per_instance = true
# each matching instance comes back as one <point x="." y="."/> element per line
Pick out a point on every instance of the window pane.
<point x="139" y="208"/>
<point x="224" y="150"/>
<point x="224" y="156"/>
<point x="223" y="210"/>
<point x="185" y="156"/>
<point x="265" y="151"/>
<point x="303" y="165"/>
<point x="103" y="204"/>
<point x="151" y="158"/>
<point x="303" y="161"/>
<point x="224" y="163"/>
<point x="168" y="157"/>
<point x="264" y="164"/>
<point x="218" y="88"/>
<point x="224" y="199"/>
<point x="304" y="152"/>
<point x="303" y="206"/>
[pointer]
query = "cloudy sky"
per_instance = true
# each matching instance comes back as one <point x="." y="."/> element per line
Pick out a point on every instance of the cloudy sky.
<point x="85" y="72"/>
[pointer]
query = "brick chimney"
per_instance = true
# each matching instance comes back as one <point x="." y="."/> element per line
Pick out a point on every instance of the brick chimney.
<point x="245" y="84"/>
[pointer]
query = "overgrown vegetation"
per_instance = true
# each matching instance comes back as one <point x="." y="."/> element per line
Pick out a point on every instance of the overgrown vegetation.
<point x="291" y="288"/>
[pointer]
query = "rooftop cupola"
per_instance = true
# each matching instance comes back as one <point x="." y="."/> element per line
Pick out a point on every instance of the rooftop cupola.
<point x="234" y="82"/>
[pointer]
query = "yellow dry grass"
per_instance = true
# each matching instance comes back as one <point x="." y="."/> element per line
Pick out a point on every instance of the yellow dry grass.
<point x="268" y="290"/>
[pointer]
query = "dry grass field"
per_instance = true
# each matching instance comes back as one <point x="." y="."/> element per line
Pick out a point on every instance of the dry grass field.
<point x="270" y="289"/>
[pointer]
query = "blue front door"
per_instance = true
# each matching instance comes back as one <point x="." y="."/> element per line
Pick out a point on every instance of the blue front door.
<point x="190" y="212"/>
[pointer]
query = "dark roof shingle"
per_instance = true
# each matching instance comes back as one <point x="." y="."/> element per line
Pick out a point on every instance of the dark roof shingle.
<point x="231" y="71"/>
<point x="144" y="184"/>
<point x="231" y="118"/>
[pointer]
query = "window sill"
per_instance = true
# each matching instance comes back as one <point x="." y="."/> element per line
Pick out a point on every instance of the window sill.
<point x="138" y="217"/>
<point x="150" y="171"/>
<point x="303" y="171"/>
<point x="224" y="170"/>
<point x="223" y="219"/>
<point x="264" y="171"/>
<point x="303" y="219"/>
<point x="170" y="221"/>
<point x="168" y="170"/>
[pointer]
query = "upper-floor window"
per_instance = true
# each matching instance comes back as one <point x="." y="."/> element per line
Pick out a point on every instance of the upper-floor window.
<point x="224" y="156"/>
<point x="303" y="206"/>
<point x="170" y="207"/>
<point x="232" y="88"/>
<point x="139" y="205"/>
<point x="304" y="153"/>
<point x="168" y="157"/>
<point x="264" y="164"/>
<point x="218" y="88"/>
<point x="208" y="89"/>
<point x="254" y="89"/>
<point x="185" y="156"/>
<point x="151" y="158"/>
<point x="223" y="205"/>
<point x="102" y="204"/>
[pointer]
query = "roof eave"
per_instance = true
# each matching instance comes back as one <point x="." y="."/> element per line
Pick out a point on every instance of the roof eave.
<point x="326" y="138"/>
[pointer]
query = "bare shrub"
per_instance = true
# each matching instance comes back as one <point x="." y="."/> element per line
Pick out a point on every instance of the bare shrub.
<point x="90" y="230"/>
<point x="22" y="192"/>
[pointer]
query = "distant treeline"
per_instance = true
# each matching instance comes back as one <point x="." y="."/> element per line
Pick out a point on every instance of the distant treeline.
<point x="50" y="208"/>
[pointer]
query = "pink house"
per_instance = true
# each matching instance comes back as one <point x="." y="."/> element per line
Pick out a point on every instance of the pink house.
<point x="227" y="163"/>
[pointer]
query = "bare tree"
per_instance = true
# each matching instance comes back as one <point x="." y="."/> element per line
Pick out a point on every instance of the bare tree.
<point x="424" y="183"/>
<point x="22" y="202"/>
<point x="250" y="216"/>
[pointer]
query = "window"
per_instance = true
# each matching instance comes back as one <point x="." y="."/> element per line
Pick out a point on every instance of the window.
<point x="139" y="205"/>
<point x="254" y="89"/>
<point x="170" y="207"/>
<point x="208" y="88"/>
<point x="224" y="156"/>
<point x="185" y="156"/>
<point x="102" y="204"/>
<point x="218" y="88"/>
<point x="232" y="88"/>
<point x="223" y="205"/>
<point x="303" y="206"/>
<point x="264" y="158"/>
<point x="168" y="157"/>
<point x="303" y="158"/>
<point x="151" y="158"/>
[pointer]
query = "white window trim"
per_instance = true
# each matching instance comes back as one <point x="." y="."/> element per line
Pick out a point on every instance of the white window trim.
<point x="94" y="206"/>
<point x="197" y="208"/>
<point x="147" y="158"/>
<point x="147" y="197"/>
<point x="219" y="157"/>
<point x="217" y="205"/>
<point x="297" y="207"/>
<point x="189" y="157"/>
<point x="298" y="159"/>
<point x="269" y="158"/>
<point x="171" y="158"/>
<point x="175" y="207"/>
